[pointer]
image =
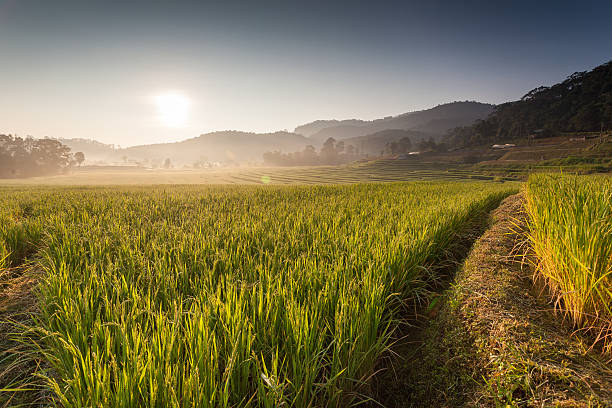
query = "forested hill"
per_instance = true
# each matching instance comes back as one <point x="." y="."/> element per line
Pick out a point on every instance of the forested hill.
<point x="583" y="102"/>
<point x="434" y="121"/>
<point x="225" y="146"/>
<point x="94" y="150"/>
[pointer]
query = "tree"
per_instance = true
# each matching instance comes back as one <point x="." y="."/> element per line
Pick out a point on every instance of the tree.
<point x="340" y="147"/>
<point x="309" y="155"/>
<point x="427" y="145"/>
<point x="329" y="145"/>
<point x="167" y="163"/>
<point x="328" y="151"/>
<point x="32" y="157"/>
<point x="405" y="144"/>
<point x="79" y="157"/>
<point x="330" y="154"/>
<point x="391" y="148"/>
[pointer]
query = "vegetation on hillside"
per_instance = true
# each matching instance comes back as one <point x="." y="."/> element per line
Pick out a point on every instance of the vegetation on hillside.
<point x="435" y="121"/>
<point x="94" y="150"/>
<point x="231" y="147"/>
<point x="331" y="153"/>
<point x="386" y="143"/>
<point x="277" y="296"/>
<point x="570" y="229"/>
<point x="29" y="157"/>
<point x="389" y="141"/>
<point x="583" y="102"/>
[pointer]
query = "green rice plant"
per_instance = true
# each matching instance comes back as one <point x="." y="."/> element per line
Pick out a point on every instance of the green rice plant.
<point x="570" y="229"/>
<point x="268" y="296"/>
<point x="4" y="256"/>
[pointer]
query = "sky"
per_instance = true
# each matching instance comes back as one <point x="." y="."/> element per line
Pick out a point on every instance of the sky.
<point x="137" y="72"/>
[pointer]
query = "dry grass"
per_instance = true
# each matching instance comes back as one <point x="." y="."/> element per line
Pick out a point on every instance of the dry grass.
<point x="570" y="231"/>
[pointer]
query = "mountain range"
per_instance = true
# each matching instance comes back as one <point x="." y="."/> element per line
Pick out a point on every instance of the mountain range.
<point x="435" y="121"/>
<point x="240" y="147"/>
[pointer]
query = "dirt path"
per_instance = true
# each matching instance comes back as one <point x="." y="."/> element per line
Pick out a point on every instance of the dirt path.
<point x="495" y="342"/>
<point x="17" y="363"/>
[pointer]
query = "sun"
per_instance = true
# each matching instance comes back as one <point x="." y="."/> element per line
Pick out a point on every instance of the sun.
<point x="173" y="109"/>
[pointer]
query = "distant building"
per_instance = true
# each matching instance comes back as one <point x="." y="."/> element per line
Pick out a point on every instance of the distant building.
<point x="504" y="146"/>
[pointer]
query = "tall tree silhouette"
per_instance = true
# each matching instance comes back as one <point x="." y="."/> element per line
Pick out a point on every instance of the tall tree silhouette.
<point x="29" y="157"/>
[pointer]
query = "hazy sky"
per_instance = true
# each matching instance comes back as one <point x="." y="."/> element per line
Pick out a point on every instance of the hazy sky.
<point x="133" y="72"/>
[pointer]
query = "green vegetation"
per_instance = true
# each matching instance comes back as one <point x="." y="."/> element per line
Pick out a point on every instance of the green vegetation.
<point x="570" y="229"/>
<point x="29" y="157"/>
<point x="421" y="124"/>
<point x="390" y="142"/>
<point x="228" y="296"/>
<point x="581" y="103"/>
<point x="494" y="341"/>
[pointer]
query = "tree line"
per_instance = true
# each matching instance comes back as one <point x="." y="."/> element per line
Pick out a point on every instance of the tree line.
<point x="28" y="157"/>
<point x="331" y="152"/>
<point x="338" y="152"/>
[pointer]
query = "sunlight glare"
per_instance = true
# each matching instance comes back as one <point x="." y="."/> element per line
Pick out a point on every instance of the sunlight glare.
<point x="173" y="109"/>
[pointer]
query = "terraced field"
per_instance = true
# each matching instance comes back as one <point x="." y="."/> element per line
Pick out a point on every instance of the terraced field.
<point x="367" y="172"/>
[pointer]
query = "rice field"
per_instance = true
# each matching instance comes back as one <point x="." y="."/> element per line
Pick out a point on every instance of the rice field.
<point x="219" y="296"/>
<point x="570" y="229"/>
<point x="376" y="171"/>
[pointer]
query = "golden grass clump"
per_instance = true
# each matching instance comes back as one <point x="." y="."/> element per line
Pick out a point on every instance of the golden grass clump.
<point x="570" y="229"/>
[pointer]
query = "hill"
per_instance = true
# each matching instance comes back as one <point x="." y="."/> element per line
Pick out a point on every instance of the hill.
<point x="226" y="146"/>
<point x="369" y="137"/>
<point x="436" y="121"/>
<point x="93" y="150"/>
<point x="581" y="103"/>
<point x="310" y="129"/>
